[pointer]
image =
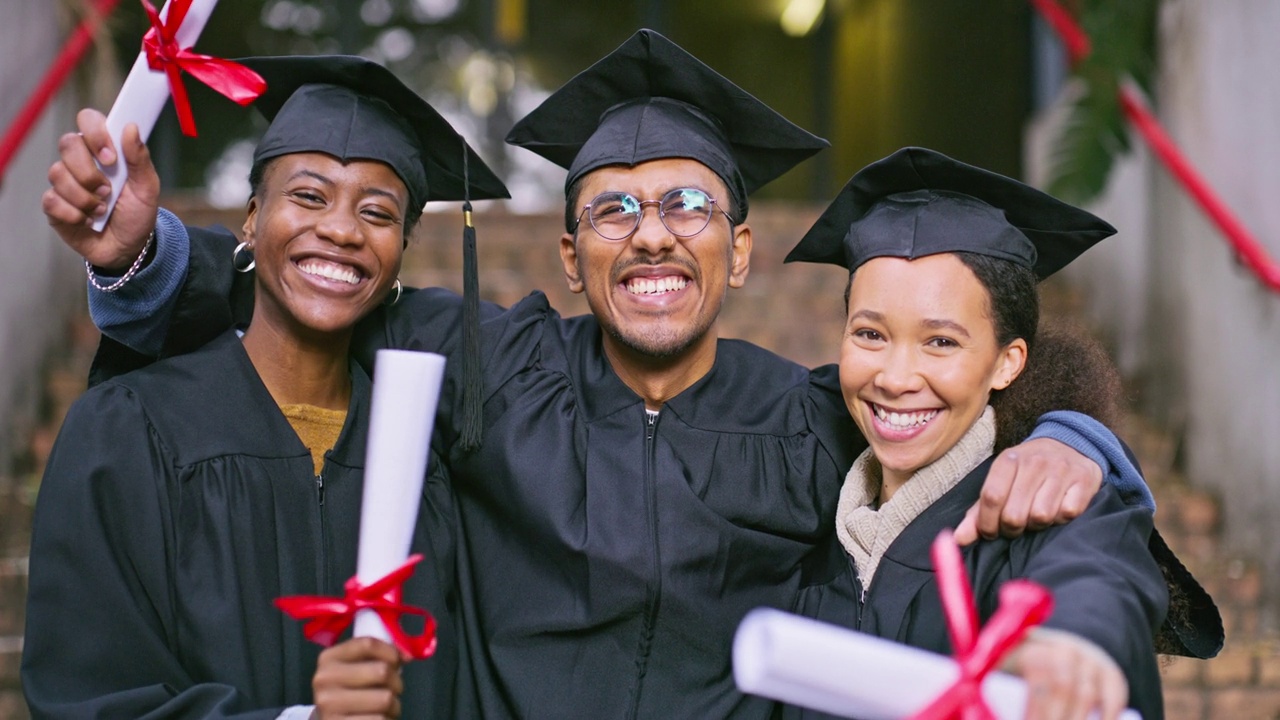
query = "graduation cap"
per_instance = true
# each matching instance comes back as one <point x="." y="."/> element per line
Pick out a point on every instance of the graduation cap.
<point x="353" y="108"/>
<point x="918" y="202"/>
<point x="650" y="99"/>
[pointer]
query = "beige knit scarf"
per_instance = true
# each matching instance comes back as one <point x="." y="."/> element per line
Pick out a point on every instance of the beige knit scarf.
<point x="866" y="532"/>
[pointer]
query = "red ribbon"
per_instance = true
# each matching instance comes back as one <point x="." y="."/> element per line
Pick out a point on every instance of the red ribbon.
<point x="235" y="81"/>
<point x="1247" y="247"/>
<point x="1023" y="605"/>
<point x="328" y="617"/>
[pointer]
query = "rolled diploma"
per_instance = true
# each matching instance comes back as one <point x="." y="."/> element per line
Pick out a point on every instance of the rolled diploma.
<point x="143" y="96"/>
<point x="406" y="391"/>
<point x="839" y="671"/>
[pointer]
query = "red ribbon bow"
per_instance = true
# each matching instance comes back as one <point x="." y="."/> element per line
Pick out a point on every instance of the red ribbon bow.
<point x="233" y="80"/>
<point x="1023" y="605"/>
<point x="328" y="617"/>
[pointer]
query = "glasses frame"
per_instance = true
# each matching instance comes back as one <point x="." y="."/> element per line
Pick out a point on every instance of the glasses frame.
<point x="662" y="216"/>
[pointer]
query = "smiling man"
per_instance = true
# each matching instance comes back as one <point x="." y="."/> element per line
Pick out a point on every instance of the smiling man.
<point x="642" y="484"/>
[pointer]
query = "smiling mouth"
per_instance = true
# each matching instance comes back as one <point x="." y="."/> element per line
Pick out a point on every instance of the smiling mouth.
<point x="655" y="286"/>
<point x="902" y="421"/>
<point x="328" y="270"/>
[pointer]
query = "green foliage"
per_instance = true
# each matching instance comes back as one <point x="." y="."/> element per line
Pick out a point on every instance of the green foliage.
<point x="1123" y="33"/>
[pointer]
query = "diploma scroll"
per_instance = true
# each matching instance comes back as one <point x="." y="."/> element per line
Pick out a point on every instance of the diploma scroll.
<point x="142" y="98"/>
<point x="406" y="391"/>
<point x="842" y="672"/>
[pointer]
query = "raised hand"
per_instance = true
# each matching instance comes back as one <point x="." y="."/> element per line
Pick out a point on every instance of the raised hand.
<point x="78" y="191"/>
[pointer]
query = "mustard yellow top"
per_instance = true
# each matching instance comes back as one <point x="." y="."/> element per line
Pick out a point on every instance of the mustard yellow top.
<point x="317" y="427"/>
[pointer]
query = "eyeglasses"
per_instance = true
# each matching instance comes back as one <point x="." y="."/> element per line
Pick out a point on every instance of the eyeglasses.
<point x="684" y="212"/>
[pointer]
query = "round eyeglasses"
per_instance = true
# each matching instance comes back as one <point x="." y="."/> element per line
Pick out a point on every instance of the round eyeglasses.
<point x="684" y="212"/>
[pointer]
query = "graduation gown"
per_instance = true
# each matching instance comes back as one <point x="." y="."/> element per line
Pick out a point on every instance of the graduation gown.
<point x="607" y="556"/>
<point x="176" y="504"/>
<point x="1106" y="586"/>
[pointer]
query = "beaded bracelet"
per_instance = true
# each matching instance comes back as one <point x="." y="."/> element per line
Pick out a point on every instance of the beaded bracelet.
<point x="128" y="275"/>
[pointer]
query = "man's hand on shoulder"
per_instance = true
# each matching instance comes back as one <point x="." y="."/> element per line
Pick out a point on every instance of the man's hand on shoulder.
<point x="1031" y="486"/>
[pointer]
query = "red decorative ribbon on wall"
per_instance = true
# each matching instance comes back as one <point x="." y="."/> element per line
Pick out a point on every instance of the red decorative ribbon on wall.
<point x="1247" y="248"/>
<point x="233" y="80"/>
<point x="1023" y="605"/>
<point x="329" y="617"/>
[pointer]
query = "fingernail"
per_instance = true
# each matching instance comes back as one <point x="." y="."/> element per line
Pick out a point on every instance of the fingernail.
<point x="106" y="156"/>
<point x="100" y="210"/>
<point x="103" y="191"/>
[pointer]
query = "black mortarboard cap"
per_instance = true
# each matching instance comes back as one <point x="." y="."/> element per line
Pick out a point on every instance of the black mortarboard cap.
<point x="650" y="99"/>
<point x="353" y="108"/>
<point x="918" y="202"/>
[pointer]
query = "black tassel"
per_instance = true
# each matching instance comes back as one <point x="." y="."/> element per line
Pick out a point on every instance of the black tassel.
<point x="472" y="382"/>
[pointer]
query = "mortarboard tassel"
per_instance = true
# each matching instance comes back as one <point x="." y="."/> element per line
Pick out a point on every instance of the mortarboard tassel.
<point x="472" y="384"/>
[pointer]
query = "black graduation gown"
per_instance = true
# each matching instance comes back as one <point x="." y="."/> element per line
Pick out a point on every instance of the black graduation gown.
<point x="1106" y="586"/>
<point x="607" y="557"/>
<point x="177" y="503"/>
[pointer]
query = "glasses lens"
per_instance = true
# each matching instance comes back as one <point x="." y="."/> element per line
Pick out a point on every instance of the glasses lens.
<point x="614" y="214"/>
<point x="686" y="211"/>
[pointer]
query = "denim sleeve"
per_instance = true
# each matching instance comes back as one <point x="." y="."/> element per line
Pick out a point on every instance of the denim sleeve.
<point x="1093" y="440"/>
<point x="137" y="315"/>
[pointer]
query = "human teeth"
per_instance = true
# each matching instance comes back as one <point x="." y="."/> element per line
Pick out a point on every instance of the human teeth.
<point x="903" y="421"/>
<point x="329" y="270"/>
<point x="652" y="286"/>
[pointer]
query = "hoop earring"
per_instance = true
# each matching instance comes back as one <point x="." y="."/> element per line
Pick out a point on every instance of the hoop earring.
<point x="236" y="259"/>
<point x="399" y="291"/>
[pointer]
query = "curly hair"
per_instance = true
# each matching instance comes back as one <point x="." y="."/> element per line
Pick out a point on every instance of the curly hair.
<point x="258" y="173"/>
<point x="1066" y="368"/>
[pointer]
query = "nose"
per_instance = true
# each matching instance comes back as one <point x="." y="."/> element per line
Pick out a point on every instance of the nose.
<point x="899" y="375"/>
<point x="652" y="235"/>
<point x="339" y="225"/>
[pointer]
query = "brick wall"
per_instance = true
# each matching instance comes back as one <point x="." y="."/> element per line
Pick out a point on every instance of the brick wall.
<point x="796" y="311"/>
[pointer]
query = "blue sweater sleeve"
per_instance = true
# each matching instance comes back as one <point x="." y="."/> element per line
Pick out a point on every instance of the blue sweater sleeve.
<point x="137" y="315"/>
<point x="1093" y="440"/>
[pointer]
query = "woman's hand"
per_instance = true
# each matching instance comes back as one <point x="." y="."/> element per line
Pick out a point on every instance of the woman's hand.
<point x="78" y="191"/>
<point x="1067" y="677"/>
<point x="358" y="678"/>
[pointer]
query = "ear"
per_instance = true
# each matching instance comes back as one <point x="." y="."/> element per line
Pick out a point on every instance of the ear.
<point x="250" y="219"/>
<point x="569" y="257"/>
<point x="740" y="258"/>
<point x="1010" y="364"/>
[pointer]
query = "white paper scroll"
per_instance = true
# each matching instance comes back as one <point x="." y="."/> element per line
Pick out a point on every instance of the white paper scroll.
<point x="143" y="96"/>
<point x="406" y="391"/>
<point x="842" y="672"/>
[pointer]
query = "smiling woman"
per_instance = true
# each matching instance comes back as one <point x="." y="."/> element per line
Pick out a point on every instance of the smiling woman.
<point x="183" y="498"/>
<point x="942" y="318"/>
<point x="327" y="239"/>
<point x="917" y="368"/>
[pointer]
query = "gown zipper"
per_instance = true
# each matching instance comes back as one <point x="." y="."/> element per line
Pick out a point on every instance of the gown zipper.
<point x="655" y="588"/>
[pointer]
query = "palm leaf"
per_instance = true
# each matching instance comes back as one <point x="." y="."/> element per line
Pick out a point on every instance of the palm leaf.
<point x="1123" y="33"/>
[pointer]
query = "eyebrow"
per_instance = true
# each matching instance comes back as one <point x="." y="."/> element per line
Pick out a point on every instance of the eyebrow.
<point x="931" y="323"/>
<point x="946" y="325"/>
<point x="364" y="189"/>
